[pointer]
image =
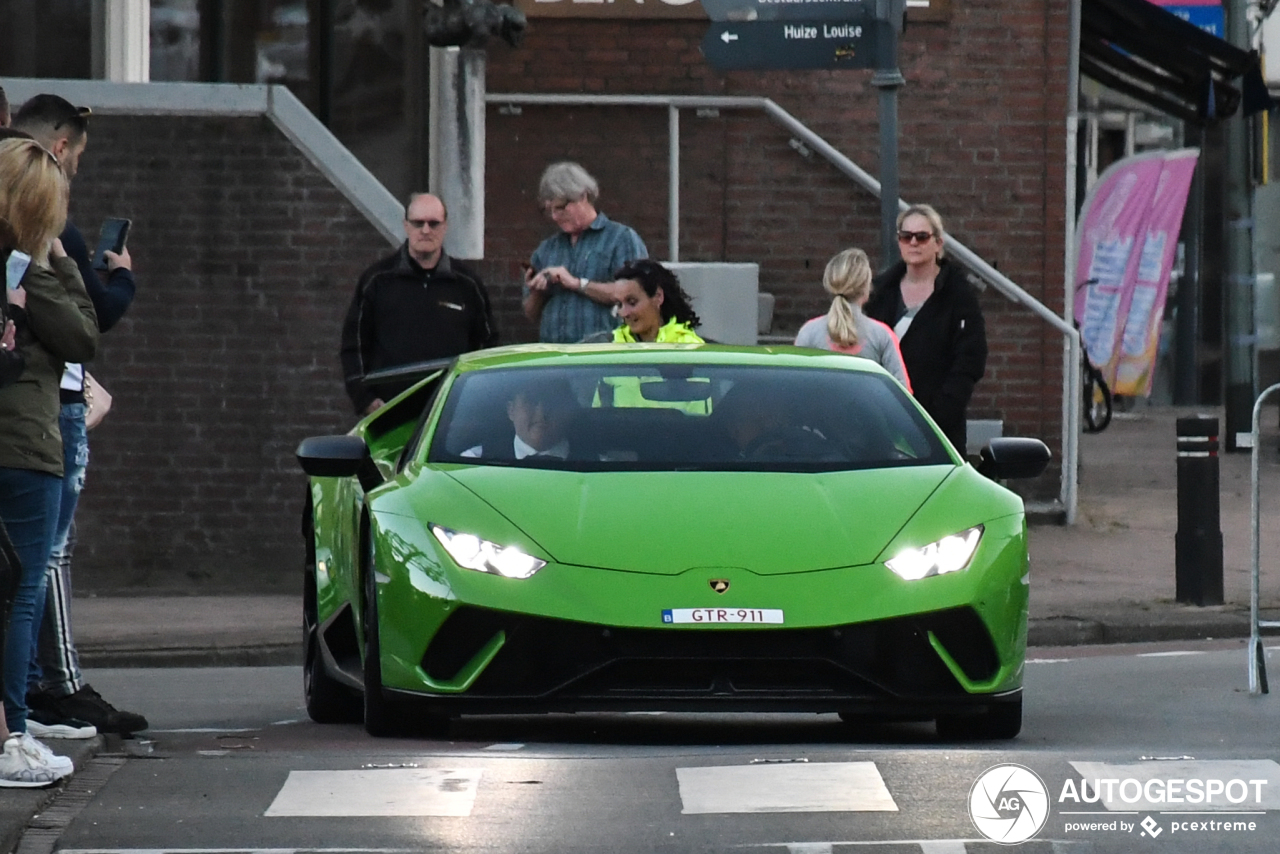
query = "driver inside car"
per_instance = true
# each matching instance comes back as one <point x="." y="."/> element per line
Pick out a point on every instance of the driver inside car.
<point x="541" y="413"/>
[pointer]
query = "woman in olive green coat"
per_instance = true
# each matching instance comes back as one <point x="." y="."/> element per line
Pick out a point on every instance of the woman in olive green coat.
<point x="57" y="325"/>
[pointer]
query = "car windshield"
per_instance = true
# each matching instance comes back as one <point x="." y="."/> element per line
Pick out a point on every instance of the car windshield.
<point x="654" y="417"/>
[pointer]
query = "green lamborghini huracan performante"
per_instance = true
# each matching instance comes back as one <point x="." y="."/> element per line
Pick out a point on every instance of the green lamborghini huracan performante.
<point x="696" y="528"/>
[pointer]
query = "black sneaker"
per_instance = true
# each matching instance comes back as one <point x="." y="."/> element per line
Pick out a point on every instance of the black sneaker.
<point x="87" y="705"/>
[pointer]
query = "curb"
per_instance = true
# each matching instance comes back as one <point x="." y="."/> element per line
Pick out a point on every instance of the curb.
<point x="19" y="807"/>
<point x="1068" y="631"/>
<point x="1141" y="627"/>
<point x="249" y="655"/>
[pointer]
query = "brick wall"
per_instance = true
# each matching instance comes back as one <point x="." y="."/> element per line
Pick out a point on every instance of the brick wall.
<point x="246" y="256"/>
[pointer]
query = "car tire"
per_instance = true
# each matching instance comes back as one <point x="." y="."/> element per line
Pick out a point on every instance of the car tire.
<point x="431" y="724"/>
<point x="382" y="717"/>
<point x="327" y="700"/>
<point x="1001" y="721"/>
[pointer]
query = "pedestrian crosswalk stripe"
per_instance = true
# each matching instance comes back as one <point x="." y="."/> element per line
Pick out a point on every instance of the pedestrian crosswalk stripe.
<point x="378" y="792"/>
<point x="809" y="787"/>
<point x="943" y="846"/>
<point x="926" y="846"/>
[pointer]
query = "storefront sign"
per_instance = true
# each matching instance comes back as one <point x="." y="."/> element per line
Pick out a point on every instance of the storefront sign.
<point x="628" y="9"/>
<point x="1208" y="15"/>
<point x="917" y="10"/>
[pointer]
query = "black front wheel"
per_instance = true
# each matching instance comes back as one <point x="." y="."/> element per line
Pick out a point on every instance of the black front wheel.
<point x="382" y="717"/>
<point x="327" y="700"/>
<point x="1000" y="721"/>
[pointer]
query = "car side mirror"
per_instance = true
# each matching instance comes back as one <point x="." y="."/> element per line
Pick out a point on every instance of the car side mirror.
<point x="338" y="456"/>
<point x="1009" y="458"/>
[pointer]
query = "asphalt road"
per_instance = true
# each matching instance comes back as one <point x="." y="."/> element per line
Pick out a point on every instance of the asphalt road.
<point x="232" y="764"/>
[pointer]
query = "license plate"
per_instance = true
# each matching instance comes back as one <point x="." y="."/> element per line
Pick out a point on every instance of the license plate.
<point x="722" y="615"/>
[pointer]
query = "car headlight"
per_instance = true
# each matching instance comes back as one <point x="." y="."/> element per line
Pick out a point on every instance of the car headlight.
<point x="949" y="554"/>
<point x="471" y="552"/>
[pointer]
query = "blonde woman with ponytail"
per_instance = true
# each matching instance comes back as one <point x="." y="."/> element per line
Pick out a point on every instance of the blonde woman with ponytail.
<point x="844" y="328"/>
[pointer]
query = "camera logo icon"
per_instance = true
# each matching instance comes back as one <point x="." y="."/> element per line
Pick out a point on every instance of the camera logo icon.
<point x="1009" y="804"/>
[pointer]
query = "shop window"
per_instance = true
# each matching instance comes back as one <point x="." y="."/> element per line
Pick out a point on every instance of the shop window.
<point x="175" y="40"/>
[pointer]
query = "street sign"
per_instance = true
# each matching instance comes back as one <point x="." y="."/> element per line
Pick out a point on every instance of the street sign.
<point x="759" y="45"/>
<point x="789" y="10"/>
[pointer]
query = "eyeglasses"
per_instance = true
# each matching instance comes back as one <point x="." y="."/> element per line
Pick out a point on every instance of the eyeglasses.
<point x="915" y="236"/>
<point x="555" y="208"/>
<point x="419" y="224"/>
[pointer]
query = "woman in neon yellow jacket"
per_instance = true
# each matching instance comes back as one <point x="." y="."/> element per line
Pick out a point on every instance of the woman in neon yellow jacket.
<point x="653" y="306"/>
<point x="654" y="310"/>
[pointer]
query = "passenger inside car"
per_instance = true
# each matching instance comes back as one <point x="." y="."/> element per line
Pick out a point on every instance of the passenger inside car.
<point x="765" y="424"/>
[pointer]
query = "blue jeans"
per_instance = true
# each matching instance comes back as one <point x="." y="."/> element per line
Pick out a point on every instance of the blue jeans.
<point x="55" y="665"/>
<point x="29" y="509"/>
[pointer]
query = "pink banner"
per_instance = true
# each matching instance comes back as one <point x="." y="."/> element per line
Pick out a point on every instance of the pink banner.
<point x="1126" y="243"/>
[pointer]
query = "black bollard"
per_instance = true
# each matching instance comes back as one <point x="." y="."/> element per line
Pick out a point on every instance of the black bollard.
<point x="1198" y="543"/>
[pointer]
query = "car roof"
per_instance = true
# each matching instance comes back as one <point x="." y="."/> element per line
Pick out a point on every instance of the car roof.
<point x="522" y="355"/>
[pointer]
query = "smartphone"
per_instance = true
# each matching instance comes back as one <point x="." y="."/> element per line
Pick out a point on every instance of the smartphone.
<point x="15" y="268"/>
<point x="115" y="231"/>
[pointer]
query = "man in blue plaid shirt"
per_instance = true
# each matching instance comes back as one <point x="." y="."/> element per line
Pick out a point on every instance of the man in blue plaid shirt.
<point x="569" y="289"/>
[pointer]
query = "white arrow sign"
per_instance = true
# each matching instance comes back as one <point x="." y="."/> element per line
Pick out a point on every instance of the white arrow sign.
<point x="727" y="37"/>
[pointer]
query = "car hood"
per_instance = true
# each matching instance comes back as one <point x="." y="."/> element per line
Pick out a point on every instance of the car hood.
<point x="670" y="522"/>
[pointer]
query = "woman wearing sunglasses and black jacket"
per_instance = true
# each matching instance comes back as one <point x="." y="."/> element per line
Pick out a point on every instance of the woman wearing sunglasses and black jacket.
<point x="930" y="305"/>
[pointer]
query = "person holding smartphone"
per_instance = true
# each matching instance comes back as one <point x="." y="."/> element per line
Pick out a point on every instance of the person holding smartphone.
<point x="63" y="705"/>
<point x="569" y="286"/>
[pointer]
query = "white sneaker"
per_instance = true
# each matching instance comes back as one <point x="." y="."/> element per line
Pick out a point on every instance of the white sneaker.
<point x="37" y="750"/>
<point x="20" y="770"/>
<point x="63" y="729"/>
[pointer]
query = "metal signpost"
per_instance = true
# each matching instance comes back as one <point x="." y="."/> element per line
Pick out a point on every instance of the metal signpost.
<point x="821" y="34"/>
